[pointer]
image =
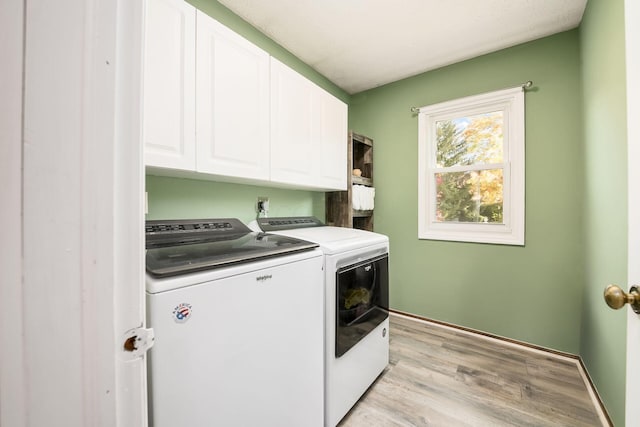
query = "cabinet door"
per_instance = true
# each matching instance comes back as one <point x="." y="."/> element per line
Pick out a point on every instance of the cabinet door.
<point x="169" y="84"/>
<point x="232" y="103"/>
<point x="293" y="157"/>
<point x="332" y="141"/>
<point x="308" y="132"/>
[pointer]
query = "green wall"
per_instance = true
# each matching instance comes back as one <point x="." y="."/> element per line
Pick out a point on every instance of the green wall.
<point x="531" y="293"/>
<point x="603" y="338"/>
<point x="550" y="291"/>
<point x="174" y="198"/>
<point x="185" y="198"/>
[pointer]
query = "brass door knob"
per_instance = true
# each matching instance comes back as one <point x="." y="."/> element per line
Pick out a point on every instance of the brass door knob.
<point x="616" y="298"/>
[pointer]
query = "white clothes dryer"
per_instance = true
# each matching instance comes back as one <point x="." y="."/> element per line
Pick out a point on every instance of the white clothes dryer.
<point x="356" y="306"/>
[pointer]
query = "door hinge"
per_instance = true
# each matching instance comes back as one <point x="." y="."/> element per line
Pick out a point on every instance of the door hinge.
<point x="137" y="341"/>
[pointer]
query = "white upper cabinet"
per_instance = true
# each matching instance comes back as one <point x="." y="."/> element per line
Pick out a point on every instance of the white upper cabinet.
<point x="293" y="155"/>
<point x="308" y="132"/>
<point x="218" y="107"/>
<point x="169" y="84"/>
<point x="332" y="141"/>
<point x="232" y="103"/>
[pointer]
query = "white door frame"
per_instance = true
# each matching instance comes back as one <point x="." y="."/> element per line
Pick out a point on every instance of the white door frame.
<point x="632" y="47"/>
<point x="71" y="267"/>
<point x="12" y="386"/>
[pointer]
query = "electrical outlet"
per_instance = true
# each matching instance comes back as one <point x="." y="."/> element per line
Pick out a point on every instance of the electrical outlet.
<point x="263" y="205"/>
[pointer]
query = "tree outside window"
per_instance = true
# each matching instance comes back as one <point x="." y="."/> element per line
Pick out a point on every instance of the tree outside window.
<point x="474" y="195"/>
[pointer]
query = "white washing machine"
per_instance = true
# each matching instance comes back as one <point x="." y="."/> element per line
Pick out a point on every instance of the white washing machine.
<point x="356" y="306"/>
<point x="238" y="318"/>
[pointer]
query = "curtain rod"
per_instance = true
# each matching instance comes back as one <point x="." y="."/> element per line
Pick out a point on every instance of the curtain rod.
<point x="526" y="85"/>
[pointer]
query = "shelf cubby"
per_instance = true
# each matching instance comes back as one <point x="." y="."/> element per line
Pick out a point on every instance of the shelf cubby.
<point x="339" y="204"/>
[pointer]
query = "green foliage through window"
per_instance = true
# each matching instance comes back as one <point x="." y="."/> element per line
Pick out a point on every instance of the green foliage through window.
<point x="474" y="195"/>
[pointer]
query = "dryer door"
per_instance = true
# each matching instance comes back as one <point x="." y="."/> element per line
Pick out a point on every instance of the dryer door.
<point x="362" y="300"/>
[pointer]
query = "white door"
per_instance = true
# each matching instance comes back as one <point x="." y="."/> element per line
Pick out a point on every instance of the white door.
<point x="12" y="385"/>
<point x="71" y="265"/>
<point x="232" y="103"/>
<point x="632" y="17"/>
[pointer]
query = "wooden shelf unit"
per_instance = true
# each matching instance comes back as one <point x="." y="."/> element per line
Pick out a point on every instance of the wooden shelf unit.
<point x="339" y="204"/>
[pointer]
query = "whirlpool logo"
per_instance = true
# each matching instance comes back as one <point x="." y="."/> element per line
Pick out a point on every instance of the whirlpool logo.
<point x="264" y="278"/>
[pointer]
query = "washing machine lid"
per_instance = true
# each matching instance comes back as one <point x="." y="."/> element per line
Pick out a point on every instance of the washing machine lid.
<point x="331" y="239"/>
<point x="176" y="247"/>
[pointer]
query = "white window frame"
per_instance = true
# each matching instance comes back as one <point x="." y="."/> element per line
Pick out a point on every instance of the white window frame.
<point x="511" y="231"/>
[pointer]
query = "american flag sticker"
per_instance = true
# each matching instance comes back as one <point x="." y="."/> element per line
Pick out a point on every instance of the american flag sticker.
<point x="182" y="312"/>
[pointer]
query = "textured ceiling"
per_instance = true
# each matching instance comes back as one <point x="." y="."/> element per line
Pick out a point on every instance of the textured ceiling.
<point x="361" y="44"/>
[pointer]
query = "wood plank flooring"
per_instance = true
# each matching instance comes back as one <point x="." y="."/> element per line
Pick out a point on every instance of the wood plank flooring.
<point x="441" y="376"/>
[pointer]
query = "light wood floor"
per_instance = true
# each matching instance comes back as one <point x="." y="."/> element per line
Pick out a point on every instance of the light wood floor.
<point x="440" y="376"/>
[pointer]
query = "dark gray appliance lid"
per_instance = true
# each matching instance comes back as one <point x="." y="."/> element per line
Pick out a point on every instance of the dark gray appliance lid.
<point x="177" y="247"/>
<point x="161" y="233"/>
<point x="288" y="223"/>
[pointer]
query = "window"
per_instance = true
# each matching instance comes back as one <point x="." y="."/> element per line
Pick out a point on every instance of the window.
<point x="471" y="169"/>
